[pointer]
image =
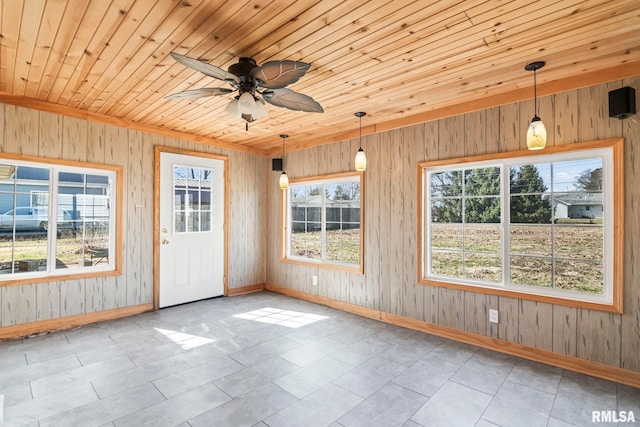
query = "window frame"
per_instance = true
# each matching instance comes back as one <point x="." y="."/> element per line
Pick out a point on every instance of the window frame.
<point x="57" y="166"/>
<point x="614" y="303"/>
<point x="285" y="223"/>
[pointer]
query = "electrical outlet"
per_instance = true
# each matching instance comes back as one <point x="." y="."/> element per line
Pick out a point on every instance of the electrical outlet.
<point x="493" y="316"/>
<point x="314" y="280"/>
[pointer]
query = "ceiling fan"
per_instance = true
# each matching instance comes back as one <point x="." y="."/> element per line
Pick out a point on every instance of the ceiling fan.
<point x="250" y="80"/>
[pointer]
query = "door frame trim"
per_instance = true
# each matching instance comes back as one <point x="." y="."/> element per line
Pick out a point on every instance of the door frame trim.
<point x="156" y="214"/>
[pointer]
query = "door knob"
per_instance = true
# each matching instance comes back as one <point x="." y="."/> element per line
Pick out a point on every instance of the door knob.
<point x="165" y="242"/>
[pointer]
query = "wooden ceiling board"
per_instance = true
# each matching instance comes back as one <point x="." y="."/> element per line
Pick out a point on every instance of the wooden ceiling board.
<point x="398" y="60"/>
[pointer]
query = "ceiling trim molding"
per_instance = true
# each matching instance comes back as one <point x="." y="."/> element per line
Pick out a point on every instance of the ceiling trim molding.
<point x="37" y="104"/>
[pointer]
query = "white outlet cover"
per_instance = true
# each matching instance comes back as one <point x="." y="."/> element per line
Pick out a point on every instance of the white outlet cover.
<point x="314" y="280"/>
<point x="493" y="316"/>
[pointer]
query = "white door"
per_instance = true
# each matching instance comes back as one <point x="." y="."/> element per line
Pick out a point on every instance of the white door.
<point x="191" y="228"/>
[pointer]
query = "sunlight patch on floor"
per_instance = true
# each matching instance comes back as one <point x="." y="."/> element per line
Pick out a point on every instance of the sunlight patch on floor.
<point x="288" y="318"/>
<point x="186" y="341"/>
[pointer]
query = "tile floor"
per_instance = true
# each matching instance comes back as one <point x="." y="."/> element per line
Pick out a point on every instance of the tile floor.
<point x="264" y="359"/>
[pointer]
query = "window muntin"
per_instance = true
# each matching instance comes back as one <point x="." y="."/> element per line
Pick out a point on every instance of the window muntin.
<point x="535" y="236"/>
<point x="55" y="220"/>
<point x="323" y="221"/>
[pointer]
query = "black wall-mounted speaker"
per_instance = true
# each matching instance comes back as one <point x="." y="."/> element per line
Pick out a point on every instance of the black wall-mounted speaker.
<point x="622" y="102"/>
<point x="276" y="164"/>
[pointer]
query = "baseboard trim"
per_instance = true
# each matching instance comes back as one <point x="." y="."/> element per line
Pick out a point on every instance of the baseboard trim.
<point x="594" y="369"/>
<point x="41" y="326"/>
<point x="245" y="290"/>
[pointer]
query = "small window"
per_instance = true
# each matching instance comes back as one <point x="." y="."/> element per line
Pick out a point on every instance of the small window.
<point x="538" y="226"/>
<point x="56" y="219"/>
<point x="323" y="221"/>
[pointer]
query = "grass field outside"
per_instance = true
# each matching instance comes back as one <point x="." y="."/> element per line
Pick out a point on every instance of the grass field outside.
<point x="577" y="248"/>
<point x="341" y="245"/>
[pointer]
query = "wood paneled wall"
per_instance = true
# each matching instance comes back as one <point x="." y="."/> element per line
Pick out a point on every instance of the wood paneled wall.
<point x="37" y="133"/>
<point x="389" y="283"/>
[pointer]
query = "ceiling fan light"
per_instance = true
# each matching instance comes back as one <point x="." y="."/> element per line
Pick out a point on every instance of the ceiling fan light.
<point x="260" y="111"/>
<point x="232" y="108"/>
<point x="361" y="160"/>
<point x="536" y="134"/>
<point x="284" y="180"/>
<point x="247" y="104"/>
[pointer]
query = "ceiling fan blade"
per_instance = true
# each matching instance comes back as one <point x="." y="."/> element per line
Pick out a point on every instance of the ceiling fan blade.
<point x="204" y="68"/>
<point x="278" y="74"/>
<point x="287" y="98"/>
<point x="200" y="93"/>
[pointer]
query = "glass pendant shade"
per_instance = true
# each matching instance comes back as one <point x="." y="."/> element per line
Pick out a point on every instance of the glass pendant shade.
<point x="284" y="180"/>
<point x="361" y="158"/>
<point x="361" y="161"/>
<point x="247" y="103"/>
<point x="536" y="134"/>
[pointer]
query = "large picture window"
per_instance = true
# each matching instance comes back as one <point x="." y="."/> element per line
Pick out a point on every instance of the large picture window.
<point x="323" y="223"/>
<point x="56" y="219"/>
<point x="544" y="226"/>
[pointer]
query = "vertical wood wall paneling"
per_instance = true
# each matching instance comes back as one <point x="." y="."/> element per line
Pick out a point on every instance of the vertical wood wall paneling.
<point x="397" y="227"/>
<point x="384" y="214"/>
<point x="72" y="298"/>
<point x="565" y="334"/>
<point x="372" y="268"/>
<point x="145" y="214"/>
<point x="21" y="130"/>
<point x="47" y="300"/>
<point x="132" y="216"/>
<point x="598" y="332"/>
<point x="50" y="135"/>
<point x="114" y="292"/>
<point x="431" y="293"/>
<point x="18" y="304"/>
<point x="237" y="234"/>
<point x="451" y="309"/>
<point x="631" y="317"/>
<point x="95" y="153"/>
<point x="535" y="324"/>
<point x="413" y="293"/>
<point x="565" y="118"/>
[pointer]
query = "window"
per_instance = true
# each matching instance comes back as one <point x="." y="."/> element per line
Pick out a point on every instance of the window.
<point x="323" y="221"/>
<point x="192" y="189"/>
<point x="537" y="226"/>
<point x="56" y="219"/>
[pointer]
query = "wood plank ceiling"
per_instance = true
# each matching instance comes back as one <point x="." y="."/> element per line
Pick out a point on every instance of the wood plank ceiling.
<point x="395" y="59"/>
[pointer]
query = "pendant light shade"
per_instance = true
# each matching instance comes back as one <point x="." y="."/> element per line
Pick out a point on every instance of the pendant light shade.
<point x="284" y="179"/>
<point x="537" y="133"/>
<point x="361" y="158"/>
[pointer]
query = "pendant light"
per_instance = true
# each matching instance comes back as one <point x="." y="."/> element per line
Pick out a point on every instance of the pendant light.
<point x="537" y="133"/>
<point x="284" y="179"/>
<point x="361" y="158"/>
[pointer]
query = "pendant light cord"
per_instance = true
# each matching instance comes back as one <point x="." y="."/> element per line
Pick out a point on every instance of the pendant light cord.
<point x="535" y="94"/>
